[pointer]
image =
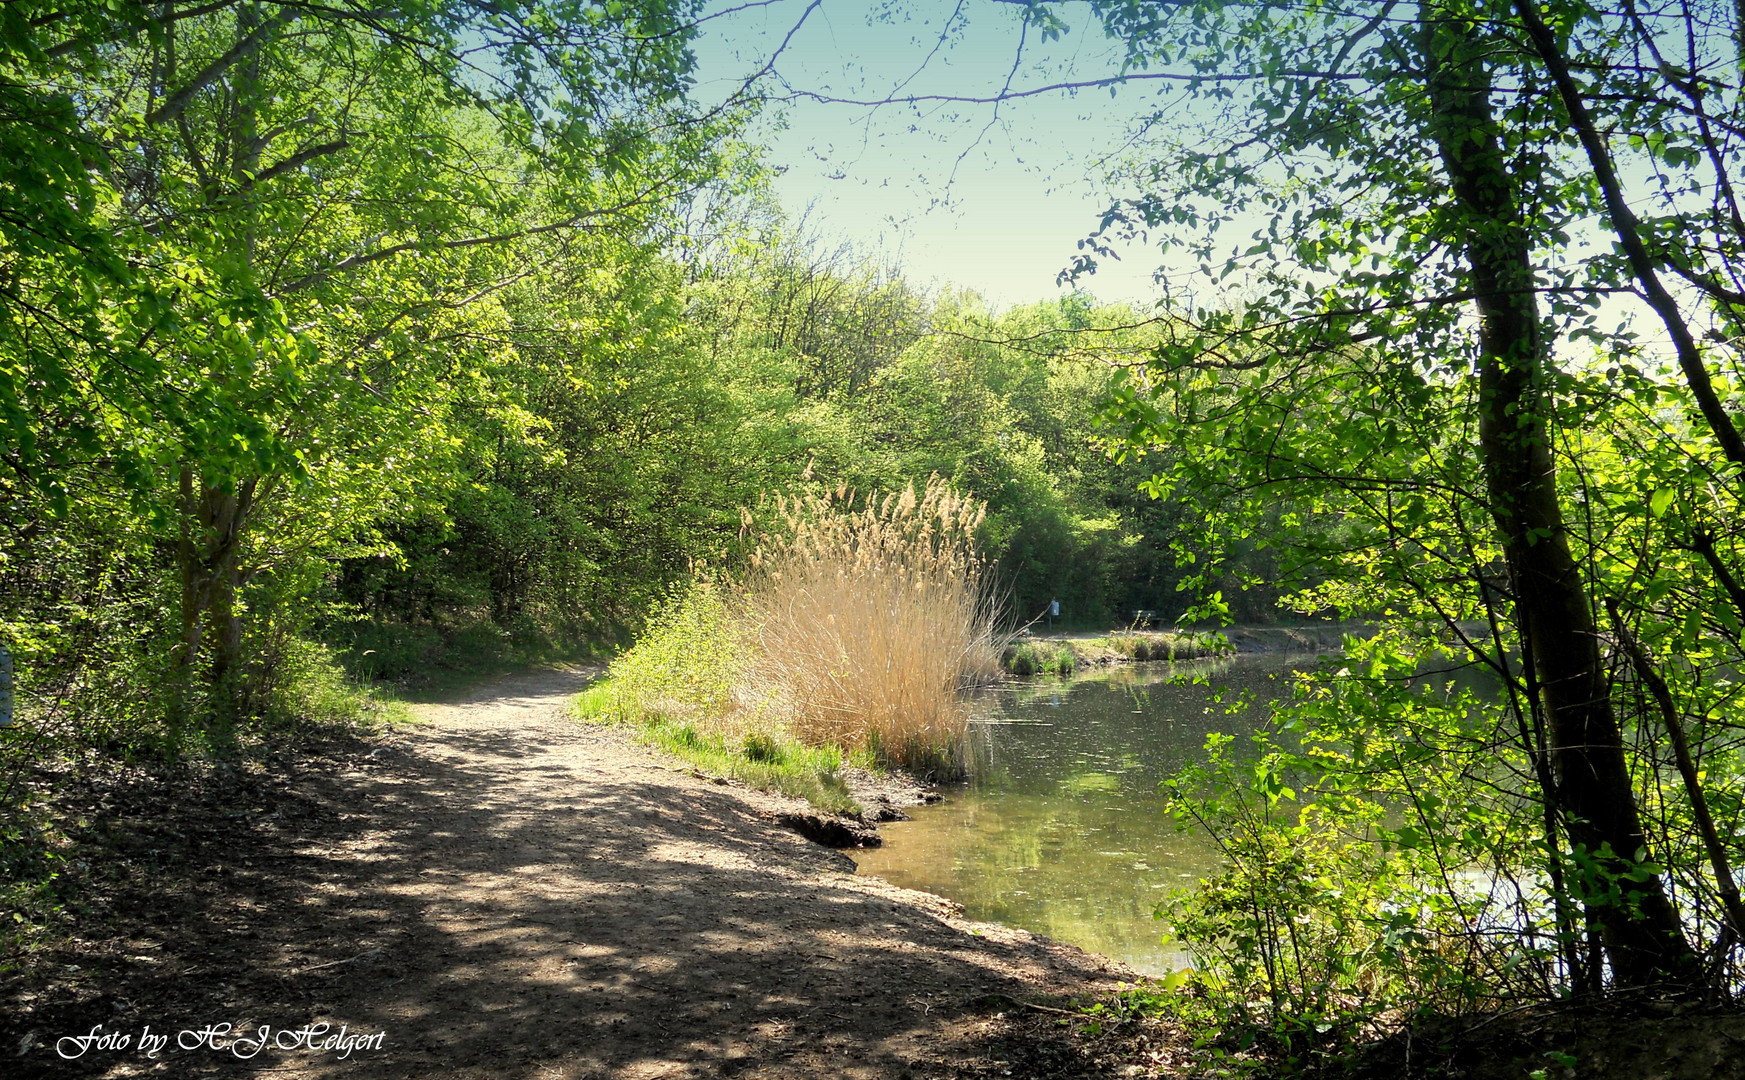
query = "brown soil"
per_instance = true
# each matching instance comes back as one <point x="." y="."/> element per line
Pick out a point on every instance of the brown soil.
<point x="506" y="893"/>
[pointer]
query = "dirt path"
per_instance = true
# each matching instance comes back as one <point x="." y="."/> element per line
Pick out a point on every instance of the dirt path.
<point x="506" y="893"/>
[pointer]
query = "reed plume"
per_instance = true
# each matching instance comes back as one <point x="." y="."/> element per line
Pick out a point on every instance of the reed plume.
<point x="870" y="616"/>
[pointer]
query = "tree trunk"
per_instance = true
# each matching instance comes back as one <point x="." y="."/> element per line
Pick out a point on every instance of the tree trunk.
<point x="207" y="555"/>
<point x="1594" y="794"/>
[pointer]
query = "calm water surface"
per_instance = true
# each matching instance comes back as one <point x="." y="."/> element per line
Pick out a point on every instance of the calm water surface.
<point x="1061" y="829"/>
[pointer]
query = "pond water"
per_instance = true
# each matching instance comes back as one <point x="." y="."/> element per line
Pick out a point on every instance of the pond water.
<point x="1061" y="829"/>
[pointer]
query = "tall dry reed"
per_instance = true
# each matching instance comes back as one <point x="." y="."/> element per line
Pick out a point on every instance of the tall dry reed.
<point x="870" y="617"/>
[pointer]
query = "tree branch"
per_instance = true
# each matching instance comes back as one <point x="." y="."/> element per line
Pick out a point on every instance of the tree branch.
<point x="1687" y="770"/>
<point x="248" y="46"/>
<point x="1625" y="224"/>
<point x="353" y="262"/>
<point x="1051" y="88"/>
<point x="300" y="158"/>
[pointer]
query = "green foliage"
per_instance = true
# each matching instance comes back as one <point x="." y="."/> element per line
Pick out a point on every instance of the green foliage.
<point x="1420" y="413"/>
<point x="646" y="402"/>
<point x="1377" y="862"/>
<point x="262" y="266"/>
<point x="310" y="690"/>
<point x="689" y="661"/>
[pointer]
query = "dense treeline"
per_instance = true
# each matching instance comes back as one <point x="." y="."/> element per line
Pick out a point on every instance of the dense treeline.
<point x="620" y="457"/>
<point x="269" y="272"/>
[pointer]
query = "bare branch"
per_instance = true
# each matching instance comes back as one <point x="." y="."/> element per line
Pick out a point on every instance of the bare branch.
<point x="577" y="221"/>
<point x="248" y="46"/>
<point x="297" y="160"/>
<point x="1057" y="87"/>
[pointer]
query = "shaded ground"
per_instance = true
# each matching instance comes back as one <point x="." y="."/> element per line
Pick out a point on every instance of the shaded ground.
<point x="506" y="893"/>
<point x="1618" y="1040"/>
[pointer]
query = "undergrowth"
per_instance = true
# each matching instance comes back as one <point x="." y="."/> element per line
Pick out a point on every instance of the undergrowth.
<point x="58" y="747"/>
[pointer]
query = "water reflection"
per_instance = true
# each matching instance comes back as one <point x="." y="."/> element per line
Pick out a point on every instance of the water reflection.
<point x="1062" y="830"/>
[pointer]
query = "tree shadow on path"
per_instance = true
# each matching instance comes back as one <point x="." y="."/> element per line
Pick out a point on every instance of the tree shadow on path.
<point x="508" y="893"/>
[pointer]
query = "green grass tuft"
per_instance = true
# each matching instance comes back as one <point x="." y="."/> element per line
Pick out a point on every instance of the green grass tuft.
<point x="1028" y="658"/>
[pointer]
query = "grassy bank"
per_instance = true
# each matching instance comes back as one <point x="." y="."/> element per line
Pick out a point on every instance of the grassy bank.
<point x="1142" y="646"/>
<point x="768" y="760"/>
<point x="1029" y="658"/>
<point x="1065" y="656"/>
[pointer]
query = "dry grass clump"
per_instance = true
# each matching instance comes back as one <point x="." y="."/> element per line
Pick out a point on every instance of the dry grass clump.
<point x="870" y="616"/>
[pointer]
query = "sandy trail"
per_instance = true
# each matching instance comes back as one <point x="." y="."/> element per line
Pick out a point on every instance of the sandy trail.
<point x="503" y="892"/>
<point x="582" y="908"/>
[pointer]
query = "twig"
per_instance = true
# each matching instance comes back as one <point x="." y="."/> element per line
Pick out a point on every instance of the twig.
<point x="335" y="963"/>
<point x="1045" y="1008"/>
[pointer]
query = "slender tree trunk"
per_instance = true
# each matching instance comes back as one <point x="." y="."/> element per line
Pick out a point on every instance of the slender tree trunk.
<point x="187" y="659"/>
<point x="208" y="552"/>
<point x="1641" y="931"/>
<point x="224" y="514"/>
<point x="215" y="513"/>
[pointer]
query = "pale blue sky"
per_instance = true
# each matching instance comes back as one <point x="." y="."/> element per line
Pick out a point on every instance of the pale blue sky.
<point x="970" y="195"/>
<point x="993" y="201"/>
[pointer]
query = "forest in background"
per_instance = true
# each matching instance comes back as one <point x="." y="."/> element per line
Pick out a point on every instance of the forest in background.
<point x="775" y="366"/>
<point x="592" y="448"/>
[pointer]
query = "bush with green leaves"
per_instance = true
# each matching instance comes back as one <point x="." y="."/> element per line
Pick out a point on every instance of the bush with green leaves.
<point x="688" y="662"/>
<point x="1377" y="863"/>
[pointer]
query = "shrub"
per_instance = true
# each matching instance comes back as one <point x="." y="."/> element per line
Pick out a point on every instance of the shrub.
<point x="690" y="661"/>
<point x="1169" y="645"/>
<point x="1373" y="866"/>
